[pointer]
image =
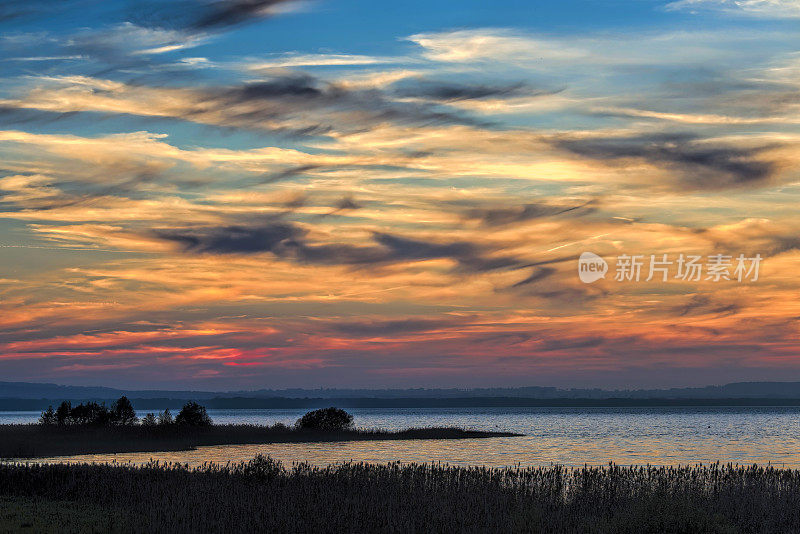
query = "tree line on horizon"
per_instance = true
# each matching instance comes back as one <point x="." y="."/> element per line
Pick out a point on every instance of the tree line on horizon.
<point x="121" y="413"/>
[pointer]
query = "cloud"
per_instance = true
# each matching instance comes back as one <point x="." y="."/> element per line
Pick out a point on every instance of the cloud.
<point x="504" y="215"/>
<point x="295" y="103"/>
<point x="285" y="96"/>
<point x="206" y="15"/>
<point x="345" y="204"/>
<point x="537" y="275"/>
<point x="274" y="237"/>
<point x="294" y="60"/>
<point x="121" y="42"/>
<point x="286" y="174"/>
<point x="753" y="236"/>
<point x="397" y="326"/>
<point x="702" y="304"/>
<point x="404" y="222"/>
<point x="486" y="44"/>
<point x="699" y="163"/>
<point x="773" y="9"/>
<point x="14" y="9"/>
<point x="223" y="13"/>
<point x="291" y="242"/>
<point x="451" y="91"/>
<point x="137" y="32"/>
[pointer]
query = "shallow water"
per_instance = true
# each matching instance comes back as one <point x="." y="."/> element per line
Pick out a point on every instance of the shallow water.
<point x="567" y="436"/>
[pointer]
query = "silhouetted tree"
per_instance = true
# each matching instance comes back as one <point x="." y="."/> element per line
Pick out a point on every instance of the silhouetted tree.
<point x="78" y="415"/>
<point x="165" y="418"/>
<point x="48" y="417"/>
<point x="90" y="413"/>
<point x="64" y="413"/>
<point x="101" y="415"/>
<point x="149" y="420"/>
<point x="325" y="419"/>
<point x="122" y="412"/>
<point x="192" y="414"/>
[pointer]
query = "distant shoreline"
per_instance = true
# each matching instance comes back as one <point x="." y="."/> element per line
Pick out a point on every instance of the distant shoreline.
<point x="243" y="403"/>
<point x="37" y="441"/>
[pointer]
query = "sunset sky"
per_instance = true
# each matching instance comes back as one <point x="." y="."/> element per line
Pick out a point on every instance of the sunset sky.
<point x="246" y="194"/>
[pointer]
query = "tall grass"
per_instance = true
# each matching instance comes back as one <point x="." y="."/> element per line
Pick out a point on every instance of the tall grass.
<point x="264" y="496"/>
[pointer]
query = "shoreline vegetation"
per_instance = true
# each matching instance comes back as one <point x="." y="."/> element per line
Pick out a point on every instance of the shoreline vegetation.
<point x="34" y="441"/>
<point x="263" y="495"/>
<point x="92" y="428"/>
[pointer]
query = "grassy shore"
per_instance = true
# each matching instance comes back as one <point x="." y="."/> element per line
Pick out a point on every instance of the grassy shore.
<point x="264" y="496"/>
<point x="38" y="441"/>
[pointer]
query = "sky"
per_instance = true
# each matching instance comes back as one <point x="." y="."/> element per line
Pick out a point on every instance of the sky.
<point x="243" y="194"/>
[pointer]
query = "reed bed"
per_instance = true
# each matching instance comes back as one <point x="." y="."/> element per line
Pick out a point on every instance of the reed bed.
<point x="264" y="496"/>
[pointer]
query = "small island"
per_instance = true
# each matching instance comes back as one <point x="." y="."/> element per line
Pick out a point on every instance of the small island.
<point x="92" y="428"/>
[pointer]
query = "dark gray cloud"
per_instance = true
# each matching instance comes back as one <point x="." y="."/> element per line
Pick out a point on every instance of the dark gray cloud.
<point x="223" y="13"/>
<point x="585" y="342"/>
<point x="272" y="237"/>
<point x="783" y="243"/>
<point x="298" y="200"/>
<point x="289" y="241"/>
<point x="17" y="9"/>
<point x="701" y="164"/>
<point x="348" y="203"/>
<point x="345" y="204"/>
<point x="451" y="92"/>
<point x="189" y="15"/>
<point x="706" y="304"/>
<point x="319" y="106"/>
<point x="503" y="215"/>
<point x="294" y="104"/>
<point x="126" y="37"/>
<point x="469" y="256"/>
<point x="200" y="15"/>
<point x="12" y="115"/>
<point x="537" y="275"/>
<point x="286" y="174"/>
<point x="394" y="327"/>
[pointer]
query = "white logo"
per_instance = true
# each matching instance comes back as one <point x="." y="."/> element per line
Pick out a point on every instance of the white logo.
<point x="591" y="267"/>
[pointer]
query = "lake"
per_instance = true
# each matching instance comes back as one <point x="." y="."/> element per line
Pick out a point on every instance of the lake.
<point x="567" y="436"/>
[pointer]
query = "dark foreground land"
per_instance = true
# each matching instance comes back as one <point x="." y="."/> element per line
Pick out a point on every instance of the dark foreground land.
<point x="39" y="441"/>
<point x="263" y="496"/>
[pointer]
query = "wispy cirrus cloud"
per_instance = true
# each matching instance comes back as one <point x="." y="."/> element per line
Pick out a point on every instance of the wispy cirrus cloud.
<point x="754" y="8"/>
<point x="294" y="60"/>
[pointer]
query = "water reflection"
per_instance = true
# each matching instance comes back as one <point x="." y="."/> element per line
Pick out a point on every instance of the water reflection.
<point x="552" y="435"/>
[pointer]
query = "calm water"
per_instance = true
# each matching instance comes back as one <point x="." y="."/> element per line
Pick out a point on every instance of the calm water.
<point x="568" y="436"/>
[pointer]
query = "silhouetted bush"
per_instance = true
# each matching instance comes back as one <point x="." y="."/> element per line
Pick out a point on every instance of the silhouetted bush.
<point x="193" y="415"/>
<point x="325" y="419"/>
<point x="48" y="417"/>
